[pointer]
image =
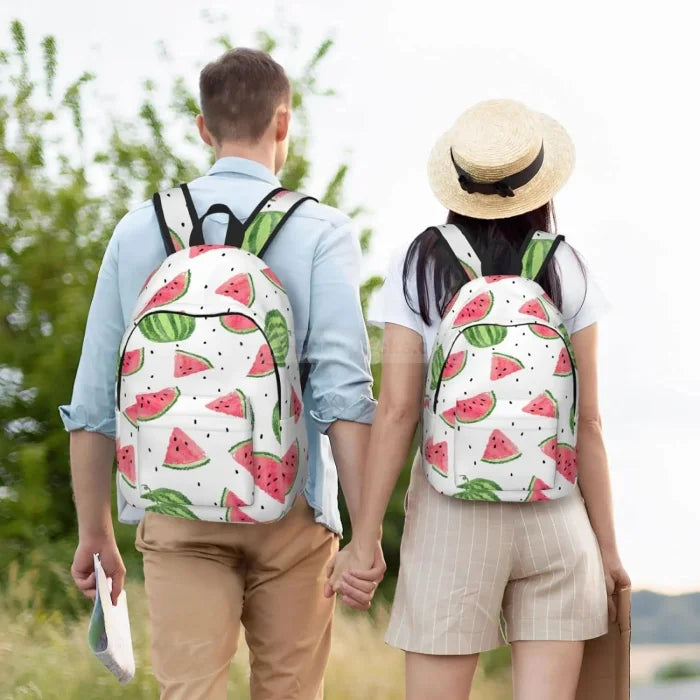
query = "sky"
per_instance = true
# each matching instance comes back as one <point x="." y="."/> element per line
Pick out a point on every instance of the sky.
<point x="623" y="82"/>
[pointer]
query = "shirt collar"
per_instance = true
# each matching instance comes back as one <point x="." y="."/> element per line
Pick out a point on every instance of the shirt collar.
<point x="243" y="166"/>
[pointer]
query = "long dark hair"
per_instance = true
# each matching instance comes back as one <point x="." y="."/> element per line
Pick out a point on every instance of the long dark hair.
<point x="497" y="242"/>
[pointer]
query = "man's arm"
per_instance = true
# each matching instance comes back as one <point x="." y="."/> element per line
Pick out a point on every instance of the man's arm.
<point x="338" y="350"/>
<point x="349" y="442"/>
<point x="341" y="380"/>
<point x="91" y="422"/>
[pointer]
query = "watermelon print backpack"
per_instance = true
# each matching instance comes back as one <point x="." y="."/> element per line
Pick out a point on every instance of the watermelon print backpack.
<point x="209" y="414"/>
<point x="500" y="412"/>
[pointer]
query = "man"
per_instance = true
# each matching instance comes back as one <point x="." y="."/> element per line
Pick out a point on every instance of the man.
<point x="203" y="579"/>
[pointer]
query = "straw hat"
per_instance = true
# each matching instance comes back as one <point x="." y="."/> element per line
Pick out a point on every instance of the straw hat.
<point x="500" y="159"/>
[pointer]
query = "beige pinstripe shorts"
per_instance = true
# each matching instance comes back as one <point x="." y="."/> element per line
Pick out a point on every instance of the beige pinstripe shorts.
<point x="463" y="563"/>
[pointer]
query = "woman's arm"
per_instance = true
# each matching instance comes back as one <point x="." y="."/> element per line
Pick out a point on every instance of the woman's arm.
<point x="398" y="414"/>
<point x="594" y="476"/>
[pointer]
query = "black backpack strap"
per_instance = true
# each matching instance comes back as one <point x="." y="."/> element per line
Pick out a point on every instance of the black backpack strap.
<point x="234" y="229"/>
<point x="176" y="217"/>
<point x="537" y="250"/>
<point x="462" y="249"/>
<point x="269" y="217"/>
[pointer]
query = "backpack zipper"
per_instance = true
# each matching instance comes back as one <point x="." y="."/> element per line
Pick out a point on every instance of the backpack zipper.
<point x="514" y="325"/>
<point x="182" y="313"/>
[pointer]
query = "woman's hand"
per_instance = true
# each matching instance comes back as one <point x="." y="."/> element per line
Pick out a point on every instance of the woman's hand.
<point x="355" y="574"/>
<point x="616" y="579"/>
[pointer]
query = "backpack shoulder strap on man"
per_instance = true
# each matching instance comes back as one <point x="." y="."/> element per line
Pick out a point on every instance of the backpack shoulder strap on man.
<point x="462" y="249"/>
<point x="180" y="226"/>
<point x="176" y="217"/>
<point x="536" y="252"/>
<point x="269" y="217"/>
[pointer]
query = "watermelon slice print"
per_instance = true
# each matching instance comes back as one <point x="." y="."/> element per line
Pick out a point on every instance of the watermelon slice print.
<point x="449" y="305"/>
<point x="272" y="475"/>
<point x="449" y="416"/>
<point x="476" y="408"/>
<point x="237" y="323"/>
<point x="474" y="310"/>
<point x="233" y="503"/>
<point x="436" y="455"/>
<point x="152" y="406"/>
<point x="132" y="362"/>
<point x="534" y="307"/>
<point x="233" y="404"/>
<point x="490" y="279"/>
<point x="563" y="368"/>
<point x="566" y="461"/>
<point x="126" y="464"/>
<point x="264" y="363"/>
<point x="273" y="278"/>
<point x="240" y="288"/>
<point x="543" y="405"/>
<point x="549" y="446"/>
<point x="183" y="452"/>
<point x="478" y="490"/>
<point x="503" y="365"/>
<point x="500" y="449"/>
<point x="242" y="452"/>
<point x="175" y="289"/>
<point x="454" y="364"/>
<point x="543" y="331"/>
<point x="187" y="363"/>
<point x="537" y="486"/>
<point x="170" y="502"/>
<point x="468" y="270"/>
<point x="176" y="240"/>
<point x="131" y="413"/>
<point x="297" y="407"/>
<point x="197" y="250"/>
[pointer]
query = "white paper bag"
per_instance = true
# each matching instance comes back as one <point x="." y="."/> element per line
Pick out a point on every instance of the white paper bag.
<point x="109" y="634"/>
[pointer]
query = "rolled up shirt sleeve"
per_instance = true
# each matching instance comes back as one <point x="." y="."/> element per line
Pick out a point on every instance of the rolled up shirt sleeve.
<point x="337" y="346"/>
<point x="92" y="405"/>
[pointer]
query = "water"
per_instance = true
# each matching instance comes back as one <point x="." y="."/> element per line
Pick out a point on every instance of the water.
<point x="678" y="690"/>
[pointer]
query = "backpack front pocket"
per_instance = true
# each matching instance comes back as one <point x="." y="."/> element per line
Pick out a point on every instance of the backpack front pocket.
<point x="504" y="451"/>
<point x="196" y="456"/>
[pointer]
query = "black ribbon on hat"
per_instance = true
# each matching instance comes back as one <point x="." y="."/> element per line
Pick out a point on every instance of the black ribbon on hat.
<point x="503" y="187"/>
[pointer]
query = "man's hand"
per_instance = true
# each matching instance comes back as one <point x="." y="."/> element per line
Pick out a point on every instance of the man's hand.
<point x="356" y="576"/>
<point x="83" y="569"/>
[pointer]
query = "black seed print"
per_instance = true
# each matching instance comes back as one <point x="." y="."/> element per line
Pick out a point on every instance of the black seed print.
<point x="198" y="484"/>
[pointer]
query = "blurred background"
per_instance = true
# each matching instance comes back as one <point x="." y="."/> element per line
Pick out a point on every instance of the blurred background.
<point x="97" y="103"/>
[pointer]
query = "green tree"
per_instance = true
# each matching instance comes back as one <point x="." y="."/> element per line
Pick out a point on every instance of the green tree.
<point x="54" y="226"/>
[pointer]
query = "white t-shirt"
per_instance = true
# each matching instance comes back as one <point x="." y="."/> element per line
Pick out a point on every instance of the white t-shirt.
<point x="583" y="302"/>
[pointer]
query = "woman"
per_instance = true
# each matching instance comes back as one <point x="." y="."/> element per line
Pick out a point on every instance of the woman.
<point x="477" y="569"/>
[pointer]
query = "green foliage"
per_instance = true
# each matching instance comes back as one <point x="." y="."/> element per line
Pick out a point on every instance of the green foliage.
<point x="678" y="670"/>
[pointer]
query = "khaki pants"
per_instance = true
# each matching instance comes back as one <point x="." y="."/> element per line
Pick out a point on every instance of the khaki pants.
<point x="204" y="579"/>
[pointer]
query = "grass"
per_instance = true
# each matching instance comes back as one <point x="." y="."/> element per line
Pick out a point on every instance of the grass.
<point x="43" y="655"/>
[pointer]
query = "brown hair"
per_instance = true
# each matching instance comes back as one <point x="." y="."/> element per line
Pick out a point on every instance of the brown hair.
<point x="239" y="93"/>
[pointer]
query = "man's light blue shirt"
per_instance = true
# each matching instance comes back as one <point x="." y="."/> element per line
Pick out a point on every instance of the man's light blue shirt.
<point x="317" y="258"/>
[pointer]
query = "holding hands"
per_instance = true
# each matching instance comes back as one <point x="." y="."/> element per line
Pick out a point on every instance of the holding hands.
<point x="355" y="573"/>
